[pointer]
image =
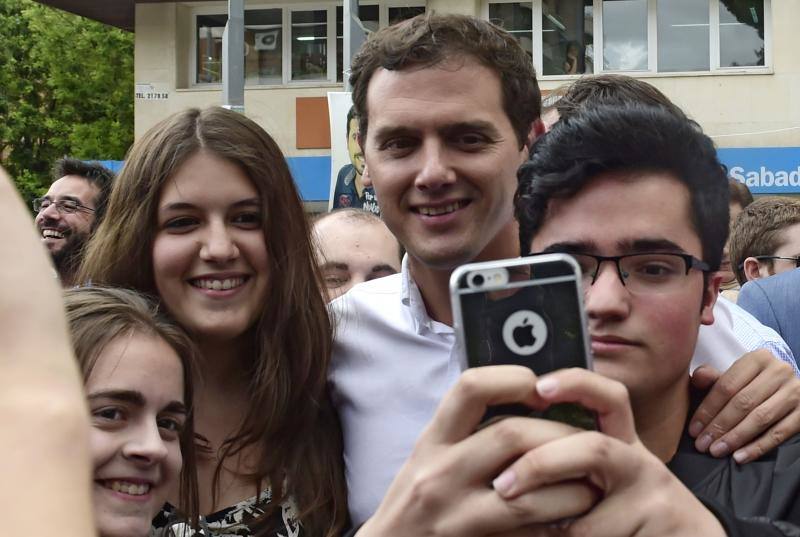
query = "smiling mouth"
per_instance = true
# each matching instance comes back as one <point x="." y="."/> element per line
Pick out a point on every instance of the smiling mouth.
<point x="131" y="489"/>
<point x="215" y="284"/>
<point x="443" y="209"/>
<point x="52" y="234"/>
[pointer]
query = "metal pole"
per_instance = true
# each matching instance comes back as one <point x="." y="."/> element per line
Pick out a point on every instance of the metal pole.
<point x="354" y="35"/>
<point x="233" y="58"/>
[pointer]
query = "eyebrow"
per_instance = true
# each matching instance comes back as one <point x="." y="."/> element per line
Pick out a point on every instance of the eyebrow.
<point x="382" y="133"/>
<point x="333" y="265"/>
<point x="135" y="398"/>
<point x="184" y="205"/>
<point x="70" y="198"/>
<point x="631" y="246"/>
<point x="384" y="267"/>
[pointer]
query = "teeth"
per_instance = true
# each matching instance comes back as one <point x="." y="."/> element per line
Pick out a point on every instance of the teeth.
<point x="52" y="234"/>
<point x="218" y="285"/>
<point x="436" y="211"/>
<point x="134" y="489"/>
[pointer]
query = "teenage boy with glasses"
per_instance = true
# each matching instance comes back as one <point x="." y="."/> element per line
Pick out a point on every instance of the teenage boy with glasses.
<point x="638" y="196"/>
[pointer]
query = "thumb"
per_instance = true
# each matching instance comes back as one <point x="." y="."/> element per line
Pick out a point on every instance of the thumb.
<point x="704" y="377"/>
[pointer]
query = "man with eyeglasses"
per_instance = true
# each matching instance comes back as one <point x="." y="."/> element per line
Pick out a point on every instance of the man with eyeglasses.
<point x="767" y="248"/>
<point x="70" y="211"/>
<point x="765" y="238"/>
<point x="639" y="198"/>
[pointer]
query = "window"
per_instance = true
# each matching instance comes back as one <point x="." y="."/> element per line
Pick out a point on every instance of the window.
<point x="574" y="37"/>
<point x="741" y="33"/>
<point x="372" y="18"/>
<point x="309" y="45"/>
<point x="625" y="35"/>
<point x="516" y="18"/>
<point x="683" y="36"/>
<point x="288" y="44"/>
<point x="567" y="37"/>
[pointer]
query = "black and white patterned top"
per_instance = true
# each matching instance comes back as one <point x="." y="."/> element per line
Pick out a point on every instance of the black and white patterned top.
<point x="232" y="521"/>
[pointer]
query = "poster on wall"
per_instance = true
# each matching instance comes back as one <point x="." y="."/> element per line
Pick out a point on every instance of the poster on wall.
<point x="347" y="187"/>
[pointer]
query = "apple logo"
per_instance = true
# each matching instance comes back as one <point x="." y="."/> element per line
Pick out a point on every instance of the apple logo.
<point x="524" y="332"/>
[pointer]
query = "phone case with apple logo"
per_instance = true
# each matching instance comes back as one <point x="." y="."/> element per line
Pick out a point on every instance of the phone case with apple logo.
<point x="523" y="311"/>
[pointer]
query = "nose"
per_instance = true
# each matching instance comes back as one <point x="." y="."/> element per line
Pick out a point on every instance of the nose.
<point x="607" y="298"/>
<point x="218" y="245"/>
<point x="48" y="213"/>
<point x="145" y="444"/>
<point x="436" y="171"/>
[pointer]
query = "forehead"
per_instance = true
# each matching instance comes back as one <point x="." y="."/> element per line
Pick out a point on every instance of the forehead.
<point x="140" y="362"/>
<point x="205" y="177"/>
<point x="73" y="186"/>
<point x="456" y="90"/>
<point x="614" y="209"/>
<point x="342" y="239"/>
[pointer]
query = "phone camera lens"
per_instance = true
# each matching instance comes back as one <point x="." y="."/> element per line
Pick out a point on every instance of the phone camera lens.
<point x="477" y="280"/>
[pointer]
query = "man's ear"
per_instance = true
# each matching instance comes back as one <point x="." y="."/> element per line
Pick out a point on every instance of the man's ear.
<point x="751" y="269"/>
<point x="537" y="130"/>
<point x="710" y="294"/>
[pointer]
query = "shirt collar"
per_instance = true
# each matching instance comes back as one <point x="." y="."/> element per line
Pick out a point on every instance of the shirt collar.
<point x="412" y="299"/>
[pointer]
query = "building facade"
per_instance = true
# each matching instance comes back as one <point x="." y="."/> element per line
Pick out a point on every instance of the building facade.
<point x="731" y="64"/>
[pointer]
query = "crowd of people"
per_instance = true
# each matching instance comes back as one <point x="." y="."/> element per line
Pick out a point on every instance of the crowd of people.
<point x="220" y="365"/>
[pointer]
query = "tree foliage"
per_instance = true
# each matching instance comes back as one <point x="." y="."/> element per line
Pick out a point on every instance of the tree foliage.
<point x="66" y="88"/>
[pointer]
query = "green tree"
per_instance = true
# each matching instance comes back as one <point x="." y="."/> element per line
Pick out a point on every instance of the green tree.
<point x="66" y="88"/>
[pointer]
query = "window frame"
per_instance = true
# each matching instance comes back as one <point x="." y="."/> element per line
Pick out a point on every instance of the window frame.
<point x="287" y="7"/>
<point x="652" y="43"/>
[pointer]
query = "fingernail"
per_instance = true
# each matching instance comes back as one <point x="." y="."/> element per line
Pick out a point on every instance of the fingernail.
<point x="740" y="456"/>
<point x="719" y="449"/>
<point x="504" y="482"/>
<point x="703" y="442"/>
<point x="695" y="428"/>
<point x="547" y="386"/>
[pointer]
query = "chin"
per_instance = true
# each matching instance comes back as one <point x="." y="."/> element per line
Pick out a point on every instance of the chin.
<point x="109" y="526"/>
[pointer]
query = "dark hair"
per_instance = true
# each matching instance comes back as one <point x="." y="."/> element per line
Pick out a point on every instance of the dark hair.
<point x="591" y="91"/>
<point x="289" y="407"/>
<point x="350" y="115"/>
<point x="739" y="193"/>
<point x="632" y="139"/>
<point x="97" y="316"/>
<point x="95" y="173"/>
<point x="430" y="39"/>
<point x="758" y="230"/>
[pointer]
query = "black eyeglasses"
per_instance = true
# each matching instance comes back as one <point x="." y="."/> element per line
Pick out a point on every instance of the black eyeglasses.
<point x="644" y="272"/>
<point x="795" y="259"/>
<point x="62" y="206"/>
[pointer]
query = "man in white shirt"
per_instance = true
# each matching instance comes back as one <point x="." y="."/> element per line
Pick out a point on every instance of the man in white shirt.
<point x="449" y="108"/>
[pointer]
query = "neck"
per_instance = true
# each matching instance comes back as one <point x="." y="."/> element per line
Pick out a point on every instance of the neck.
<point x="434" y="282"/>
<point x="221" y="367"/>
<point x="661" y="418"/>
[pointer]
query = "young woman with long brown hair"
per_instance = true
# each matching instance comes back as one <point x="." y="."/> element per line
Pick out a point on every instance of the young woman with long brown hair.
<point x="206" y="216"/>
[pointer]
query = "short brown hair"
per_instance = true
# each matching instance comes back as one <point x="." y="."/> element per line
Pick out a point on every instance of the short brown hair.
<point x="430" y="39"/>
<point x="739" y="193"/>
<point x="757" y="230"/>
<point x="620" y="90"/>
<point x="99" y="315"/>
